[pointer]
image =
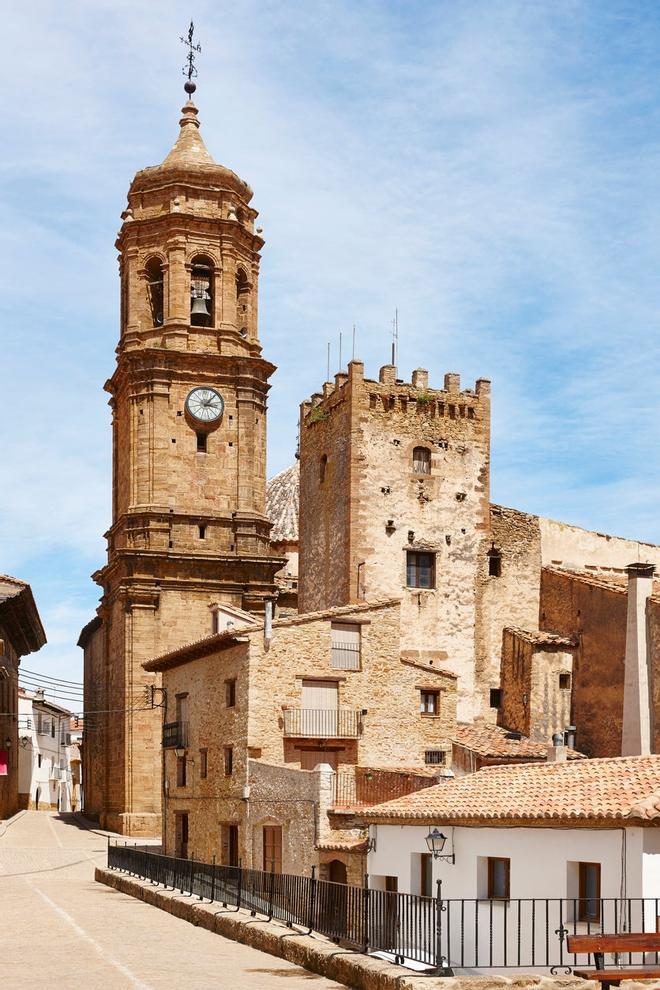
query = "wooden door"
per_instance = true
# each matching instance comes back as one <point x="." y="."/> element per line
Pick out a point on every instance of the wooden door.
<point x="272" y="845"/>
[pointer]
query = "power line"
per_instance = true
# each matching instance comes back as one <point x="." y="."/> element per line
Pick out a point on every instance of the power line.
<point x="46" y="684"/>
<point x="48" y="677"/>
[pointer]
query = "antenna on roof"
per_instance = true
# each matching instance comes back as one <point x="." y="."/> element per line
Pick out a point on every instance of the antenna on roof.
<point x="340" y="364"/>
<point x="395" y="337"/>
<point x="327" y="377"/>
<point x="353" y="355"/>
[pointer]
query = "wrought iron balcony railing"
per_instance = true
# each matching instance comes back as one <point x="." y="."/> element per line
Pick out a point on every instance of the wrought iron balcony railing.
<point x="175" y="735"/>
<point x="322" y="723"/>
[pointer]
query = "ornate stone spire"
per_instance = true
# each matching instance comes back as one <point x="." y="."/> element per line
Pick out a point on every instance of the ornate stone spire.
<point x="189" y="148"/>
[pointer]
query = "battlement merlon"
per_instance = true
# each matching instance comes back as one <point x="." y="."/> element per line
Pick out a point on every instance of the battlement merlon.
<point x="390" y="392"/>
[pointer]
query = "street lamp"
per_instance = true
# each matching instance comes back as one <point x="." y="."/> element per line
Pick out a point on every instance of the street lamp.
<point x="179" y="752"/>
<point x="435" y="842"/>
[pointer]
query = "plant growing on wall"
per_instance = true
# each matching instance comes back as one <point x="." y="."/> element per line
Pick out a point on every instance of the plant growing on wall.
<point x="317" y="415"/>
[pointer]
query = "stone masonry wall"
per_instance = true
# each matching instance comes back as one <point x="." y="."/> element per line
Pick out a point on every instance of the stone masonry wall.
<point x="574" y="605"/>
<point x="381" y="508"/>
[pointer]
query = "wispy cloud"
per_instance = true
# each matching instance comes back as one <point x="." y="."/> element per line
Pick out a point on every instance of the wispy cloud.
<point x="491" y="169"/>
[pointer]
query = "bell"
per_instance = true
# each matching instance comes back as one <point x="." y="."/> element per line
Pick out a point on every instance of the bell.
<point x="199" y="307"/>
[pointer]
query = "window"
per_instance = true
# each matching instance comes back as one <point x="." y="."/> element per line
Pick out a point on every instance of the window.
<point x="494" y="563"/>
<point x="154" y="273"/>
<point x="52" y="729"/>
<point x="435" y="757"/>
<point x="39" y="760"/>
<point x="4" y="763"/>
<point x="429" y="702"/>
<point x="229" y="760"/>
<point x="589" y="903"/>
<point x="230" y="694"/>
<point x="565" y="682"/>
<point x="420" y="569"/>
<point x="495" y="697"/>
<point x="421" y="460"/>
<point x="181" y="834"/>
<point x="229" y="844"/>
<point x="180" y="771"/>
<point x="201" y="442"/>
<point x="323" y="464"/>
<point x="345" y="639"/>
<point x="426" y="875"/>
<point x="272" y="845"/>
<point x="201" y="292"/>
<point x="203" y="763"/>
<point x="499" y="872"/>
<point x="202" y="532"/>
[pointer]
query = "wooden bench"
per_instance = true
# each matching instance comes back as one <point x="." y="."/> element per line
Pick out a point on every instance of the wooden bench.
<point x="598" y="945"/>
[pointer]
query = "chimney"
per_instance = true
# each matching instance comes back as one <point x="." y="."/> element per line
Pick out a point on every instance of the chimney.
<point x="636" y="733"/>
<point x="557" y="751"/>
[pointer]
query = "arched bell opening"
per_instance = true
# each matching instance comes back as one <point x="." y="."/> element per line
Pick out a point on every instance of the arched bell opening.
<point x="242" y="301"/>
<point x="155" y="294"/>
<point x="201" y="292"/>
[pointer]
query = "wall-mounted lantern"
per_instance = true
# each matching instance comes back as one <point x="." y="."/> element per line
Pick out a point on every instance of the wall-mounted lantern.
<point x="436" y="841"/>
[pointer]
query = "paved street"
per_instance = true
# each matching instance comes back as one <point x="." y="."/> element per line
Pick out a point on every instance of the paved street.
<point x="62" y="927"/>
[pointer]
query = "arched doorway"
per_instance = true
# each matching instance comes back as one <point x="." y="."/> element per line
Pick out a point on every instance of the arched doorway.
<point x="337" y="871"/>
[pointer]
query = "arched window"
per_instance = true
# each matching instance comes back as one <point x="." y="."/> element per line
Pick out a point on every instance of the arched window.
<point x="323" y="463"/>
<point x="421" y="460"/>
<point x="242" y="301"/>
<point x="154" y="272"/>
<point x="201" y="292"/>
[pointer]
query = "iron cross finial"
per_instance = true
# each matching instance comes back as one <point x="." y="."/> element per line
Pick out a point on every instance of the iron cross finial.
<point x="189" y="68"/>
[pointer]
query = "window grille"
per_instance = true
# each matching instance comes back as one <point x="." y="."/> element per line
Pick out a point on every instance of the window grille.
<point x="435" y="757"/>
<point x="345" y="646"/>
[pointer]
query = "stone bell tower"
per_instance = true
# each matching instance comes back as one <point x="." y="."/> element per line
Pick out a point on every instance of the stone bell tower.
<point x="188" y="399"/>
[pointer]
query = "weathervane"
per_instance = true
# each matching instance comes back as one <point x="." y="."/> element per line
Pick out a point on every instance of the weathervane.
<point x="189" y="68"/>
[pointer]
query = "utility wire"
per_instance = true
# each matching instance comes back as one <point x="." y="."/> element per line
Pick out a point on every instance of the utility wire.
<point x="48" y="677"/>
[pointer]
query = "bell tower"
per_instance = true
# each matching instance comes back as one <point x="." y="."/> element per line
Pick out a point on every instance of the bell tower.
<point x="188" y="399"/>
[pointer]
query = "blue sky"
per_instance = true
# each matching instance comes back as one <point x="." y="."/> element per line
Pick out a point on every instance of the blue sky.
<point x="490" y="168"/>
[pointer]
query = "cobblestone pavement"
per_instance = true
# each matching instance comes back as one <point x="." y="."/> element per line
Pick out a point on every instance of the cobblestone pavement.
<point x="61" y="927"/>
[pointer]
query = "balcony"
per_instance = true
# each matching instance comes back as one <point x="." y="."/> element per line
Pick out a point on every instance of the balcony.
<point x="363" y="787"/>
<point x="175" y="735"/>
<point x="323" y="723"/>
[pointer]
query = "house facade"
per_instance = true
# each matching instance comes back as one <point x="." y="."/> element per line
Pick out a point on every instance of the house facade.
<point x="527" y="850"/>
<point x="274" y="732"/>
<point x="49" y="774"/>
<point x="21" y="633"/>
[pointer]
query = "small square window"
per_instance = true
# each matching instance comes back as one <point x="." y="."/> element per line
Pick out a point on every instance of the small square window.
<point x="429" y="702"/>
<point x="435" y="757"/>
<point x="494" y="563"/>
<point x="229" y="761"/>
<point x="202" y="532"/>
<point x="565" y="682"/>
<point x="499" y="873"/>
<point x="420" y="569"/>
<point x="230" y="694"/>
<point x="203" y="763"/>
<point x="201" y="443"/>
<point x="495" y="697"/>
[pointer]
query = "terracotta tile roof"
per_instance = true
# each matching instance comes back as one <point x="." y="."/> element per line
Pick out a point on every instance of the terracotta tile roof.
<point x="205" y="646"/>
<point x="282" y="496"/>
<point x="343" y="845"/>
<point x="608" y="790"/>
<point x="549" y="640"/>
<point x="493" y="742"/>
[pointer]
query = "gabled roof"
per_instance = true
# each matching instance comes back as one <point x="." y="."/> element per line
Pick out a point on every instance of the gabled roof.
<point x="578" y="792"/>
<point x="19" y="615"/>
<point x="493" y="742"/>
<point x="206" y="646"/>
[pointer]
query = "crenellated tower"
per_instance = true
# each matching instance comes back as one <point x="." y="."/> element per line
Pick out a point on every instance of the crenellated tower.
<point x="188" y="399"/>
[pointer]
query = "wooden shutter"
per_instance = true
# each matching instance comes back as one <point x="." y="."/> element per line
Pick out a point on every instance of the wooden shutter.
<point x="345" y="646"/>
<point x="319" y="704"/>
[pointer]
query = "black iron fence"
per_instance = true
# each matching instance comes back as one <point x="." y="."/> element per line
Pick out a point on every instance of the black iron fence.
<point x="443" y="934"/>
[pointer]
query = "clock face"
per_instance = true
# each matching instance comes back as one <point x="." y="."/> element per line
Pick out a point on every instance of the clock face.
<point x="205" y="405"/>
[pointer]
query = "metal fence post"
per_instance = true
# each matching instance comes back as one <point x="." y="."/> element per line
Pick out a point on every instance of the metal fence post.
<point x="440" y="906"/>
<point x="312" y="900"/>
<point x="271" y="891"/>
<point x="240" y="886"/>
<point x="213" y="879"/>
<point x="192" y="872"/>
<point x="365" y="914"/>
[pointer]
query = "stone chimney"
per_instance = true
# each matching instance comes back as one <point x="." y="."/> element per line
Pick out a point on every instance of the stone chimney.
<point x="557" y="752"/>
<point x="636" y="733"/>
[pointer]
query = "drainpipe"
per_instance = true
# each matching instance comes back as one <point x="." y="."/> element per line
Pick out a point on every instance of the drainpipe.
<point x="636" y="731"/>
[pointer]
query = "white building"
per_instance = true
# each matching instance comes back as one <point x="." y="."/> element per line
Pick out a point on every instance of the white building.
<point x="48" y="757"/>
<point x="530" y="853"/>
